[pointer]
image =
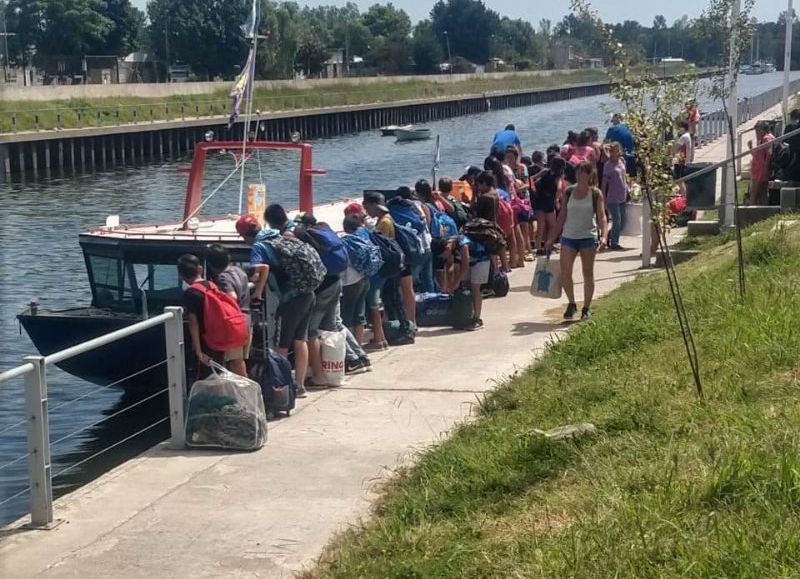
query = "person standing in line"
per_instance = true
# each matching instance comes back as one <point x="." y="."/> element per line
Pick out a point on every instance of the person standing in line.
<point x="693" y="118"/>
<point x="233" y="281"/>
<point x="505" y="138"/>
<point x="578" y="221"/>
<point x="615" y="189"/>
<point x="684" y="154"/>
<point x="793" y="170"/>
<point x="620" y="133"/>
<point x="760" y="173"/>
<point x="547" y="185"/>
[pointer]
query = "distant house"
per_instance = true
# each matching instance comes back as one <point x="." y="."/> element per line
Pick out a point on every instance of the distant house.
<point x="336" y="66"/>
<point x="565" y="57"/>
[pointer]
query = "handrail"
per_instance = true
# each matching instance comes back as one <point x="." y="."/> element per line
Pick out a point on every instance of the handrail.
<point x="37" y="409"/>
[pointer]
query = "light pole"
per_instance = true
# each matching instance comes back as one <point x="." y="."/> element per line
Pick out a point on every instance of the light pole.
<point x="449" y="54"/>
<point x="5" y="43"/>
<point x="787" y="63"/>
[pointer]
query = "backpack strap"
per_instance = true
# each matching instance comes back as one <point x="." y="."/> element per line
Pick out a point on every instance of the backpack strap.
<point x="595" y="196"/>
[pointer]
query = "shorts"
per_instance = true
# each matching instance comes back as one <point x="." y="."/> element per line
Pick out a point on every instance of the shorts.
<point x="543" y="204"/>
<point x="579" y="244"/>
<point x="679" y="171"/>
<point x="242" y="353"/>
<point x="354" y="303"/>
<point x="294" y="315"/>
<point x="479" y="272"/>
<point x="376" y="283"/>
<point x="323" y="314"/>
<point x="525" y="215"/>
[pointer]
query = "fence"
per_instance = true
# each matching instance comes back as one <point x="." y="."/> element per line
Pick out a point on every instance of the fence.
<point x="714" y="125"/>
<point x="37" y="411"/>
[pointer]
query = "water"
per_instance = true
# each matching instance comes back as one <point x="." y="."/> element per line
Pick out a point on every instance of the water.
<point x="40" y="258"/>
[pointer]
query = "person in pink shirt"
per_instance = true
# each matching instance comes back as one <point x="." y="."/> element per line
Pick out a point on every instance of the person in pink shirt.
<point x="760" y="173"/>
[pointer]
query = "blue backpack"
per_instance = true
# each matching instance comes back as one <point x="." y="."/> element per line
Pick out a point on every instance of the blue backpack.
<point x="404" y="212"/>
<point x="442" y="225"/>
<point x="411" y="244"/>
<point x="330" y="247"/>
<point x="391" y="254"/>
<point x="365" y="256"/>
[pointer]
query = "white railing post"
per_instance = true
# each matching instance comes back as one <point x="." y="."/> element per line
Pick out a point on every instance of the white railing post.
<point x="739" y="150"/>
<point x="176" y="375"/>
<point x="646" y="232"/>
<point x="38" y="431"/>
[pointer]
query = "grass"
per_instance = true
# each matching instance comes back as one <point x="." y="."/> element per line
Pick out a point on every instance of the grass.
<point x="77" y="113"/>
<point x="670" y="487"/>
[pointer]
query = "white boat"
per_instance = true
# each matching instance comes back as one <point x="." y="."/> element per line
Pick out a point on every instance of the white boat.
<point x="390" y="130"/>
<point x="412" y="134"/>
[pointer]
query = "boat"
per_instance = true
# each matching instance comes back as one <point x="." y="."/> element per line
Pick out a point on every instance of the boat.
<point x="412" y="134"/>
<point x="390" y="130"/>
<point x="132" y="276"/>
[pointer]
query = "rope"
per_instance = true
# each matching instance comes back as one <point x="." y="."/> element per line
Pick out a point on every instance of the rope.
<point x="109" y="417"/>
<point x="239" y="163"/>
<point x="12" y="497"/>
<point x="15" y="461"/>
<point x="68" y="402"/>
<point x="116" y="444"/>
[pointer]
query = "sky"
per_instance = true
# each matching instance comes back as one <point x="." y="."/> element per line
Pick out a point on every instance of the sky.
<point x="610" y="10"/>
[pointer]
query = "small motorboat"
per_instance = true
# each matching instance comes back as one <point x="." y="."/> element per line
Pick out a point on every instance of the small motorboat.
<point x="412" y="134"/>
<point x="390" y="130"/>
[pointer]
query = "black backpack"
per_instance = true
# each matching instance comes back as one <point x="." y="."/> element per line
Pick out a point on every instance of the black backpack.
<point x="487" y="233"/>
<point x="781" y="157"/>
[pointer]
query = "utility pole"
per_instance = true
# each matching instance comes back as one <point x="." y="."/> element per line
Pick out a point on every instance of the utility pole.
<point x="166" y="47"/>
<point x="787" y="62"/>
<point x="449" y="54"/>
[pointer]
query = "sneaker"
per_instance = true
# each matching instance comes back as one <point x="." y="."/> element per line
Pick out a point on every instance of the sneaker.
<point x="404" y="341"/>
<point x="586" y="314"/>
<point x="617" y="247"/>
<point x="353" y="366"/>
<point x="472" y="326"/>
<point x="300" y="391"/>
<point x="572" y="309"/>
<point x="366" y="361"/>
<point x="479" y="323"/>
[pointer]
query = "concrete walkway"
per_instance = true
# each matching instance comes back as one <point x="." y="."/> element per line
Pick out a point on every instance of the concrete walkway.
<point x="270" y="513"/>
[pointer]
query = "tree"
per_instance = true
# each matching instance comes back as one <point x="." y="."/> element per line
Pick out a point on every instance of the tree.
<point x="205" y="34"/>
<point x="387" y="21"/>
<point x="311" y="56"/>
<point x="281" y="22"/>
<point x="469" y="25"/>
<point x="515" y="40"/>
<point x="427" y="52"/>
<point x="59" y="27"/>
<point x="127" y="32"/>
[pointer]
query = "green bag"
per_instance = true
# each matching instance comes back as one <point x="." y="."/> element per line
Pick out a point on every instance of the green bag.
<point x="463" y="309"/>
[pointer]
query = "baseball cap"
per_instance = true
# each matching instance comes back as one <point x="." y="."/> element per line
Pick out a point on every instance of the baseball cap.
<point x="247" y="225"/>
<point x="377" y="199"/>
<point x="354" y="208"/>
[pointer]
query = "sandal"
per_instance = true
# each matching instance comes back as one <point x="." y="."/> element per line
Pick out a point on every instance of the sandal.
<point x="376" y="346"/>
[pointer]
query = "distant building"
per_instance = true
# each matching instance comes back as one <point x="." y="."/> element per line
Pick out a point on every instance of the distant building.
<point x="565" y="57"/>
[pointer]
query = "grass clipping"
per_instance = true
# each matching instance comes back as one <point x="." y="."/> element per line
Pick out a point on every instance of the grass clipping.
<point x="669" y="487"/>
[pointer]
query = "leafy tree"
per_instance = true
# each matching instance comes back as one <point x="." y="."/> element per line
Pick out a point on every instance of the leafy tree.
<point x="59" y="27"/>
<point x="127" y="33"/>
<point x="386" y="21"/>
<point x="427" y="52"/>
<point x="469" y="25"/>
<point x="515" y="40"/>
<point x="205" y="34"/>
<point x="311" y="56"/>
<point x="281" y="22"/>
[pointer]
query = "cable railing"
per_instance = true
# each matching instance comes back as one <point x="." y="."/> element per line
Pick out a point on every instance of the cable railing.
<point x="37" y="410"/>
<point x="713" y="125"/>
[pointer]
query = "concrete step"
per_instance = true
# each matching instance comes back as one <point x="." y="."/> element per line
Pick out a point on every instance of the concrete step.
<point x="678" y="256"/>
<point x="700" y="228"/>
<point x="750" y="214"/>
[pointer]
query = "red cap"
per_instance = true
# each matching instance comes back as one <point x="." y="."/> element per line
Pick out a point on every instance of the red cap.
<point x="354" y="208"/>
<point x="247" y="225"/>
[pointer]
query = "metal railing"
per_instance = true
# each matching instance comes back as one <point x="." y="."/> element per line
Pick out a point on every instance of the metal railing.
<point x="37" y="410"/>
<point x="713" y="125"/>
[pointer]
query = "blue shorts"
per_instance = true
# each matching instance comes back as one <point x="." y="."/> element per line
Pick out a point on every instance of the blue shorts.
<point x="579" y="244"/>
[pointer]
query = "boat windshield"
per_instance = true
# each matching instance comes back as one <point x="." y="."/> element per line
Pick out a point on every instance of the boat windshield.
<point x="124" y="286"/>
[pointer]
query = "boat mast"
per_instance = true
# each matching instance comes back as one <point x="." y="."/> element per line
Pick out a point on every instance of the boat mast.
<point x="249" y="93"/>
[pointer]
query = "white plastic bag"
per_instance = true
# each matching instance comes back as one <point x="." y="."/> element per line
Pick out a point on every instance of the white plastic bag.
<point x="333" y="346"/>
<point x="546" y="281"/>
<point x="226" y="411"/>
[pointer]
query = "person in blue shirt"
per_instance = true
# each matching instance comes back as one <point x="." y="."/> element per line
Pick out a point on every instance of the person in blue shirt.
<point x="505" y="138"/>
<point x="619" y="132"/>
<point x="467" y="263"/>
<point x="295" y="308"/>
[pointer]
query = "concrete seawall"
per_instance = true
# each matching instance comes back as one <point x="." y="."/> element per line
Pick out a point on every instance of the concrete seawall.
<point x="163" y="90"/>
<point x="76" y="150"/>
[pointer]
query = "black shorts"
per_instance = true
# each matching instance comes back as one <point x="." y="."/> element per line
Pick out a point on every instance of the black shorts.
<point x="679" y="171"/>
<point x="294" y="315"/>
<point x="543" y="204"/>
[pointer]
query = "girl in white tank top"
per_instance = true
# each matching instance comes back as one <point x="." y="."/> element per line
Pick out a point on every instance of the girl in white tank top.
<point x="582" y="214"/>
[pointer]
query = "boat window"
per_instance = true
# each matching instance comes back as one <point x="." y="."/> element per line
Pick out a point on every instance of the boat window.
<point x="160" y="282"/>
<point x="107" y="277"/>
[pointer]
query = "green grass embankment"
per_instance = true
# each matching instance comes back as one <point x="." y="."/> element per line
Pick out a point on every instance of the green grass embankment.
<point x="76" y="113"/>
<point x="670" y="487"/>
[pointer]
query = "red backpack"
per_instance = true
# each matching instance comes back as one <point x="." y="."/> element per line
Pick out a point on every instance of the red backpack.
<point x="224" y="324"/>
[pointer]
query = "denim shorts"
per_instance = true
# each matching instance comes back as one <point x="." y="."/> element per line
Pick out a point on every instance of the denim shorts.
<point x="579" y="244"/>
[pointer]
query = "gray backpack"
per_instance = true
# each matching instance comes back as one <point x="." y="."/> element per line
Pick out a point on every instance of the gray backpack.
<point x="298" y="262"/>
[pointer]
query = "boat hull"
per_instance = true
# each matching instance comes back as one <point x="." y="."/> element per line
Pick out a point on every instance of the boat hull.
<point x="404" y="135"/>
<point x="55" y="331"/>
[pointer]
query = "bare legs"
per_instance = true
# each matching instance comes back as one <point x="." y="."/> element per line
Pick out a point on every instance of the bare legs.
<point x="568" y="256"/>
<point x="300" y="360"/>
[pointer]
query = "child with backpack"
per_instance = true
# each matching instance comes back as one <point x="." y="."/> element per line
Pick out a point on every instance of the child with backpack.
<point x="218" y="329"/>
<point x="467" y="264"/>
<point x="364" y="261"/>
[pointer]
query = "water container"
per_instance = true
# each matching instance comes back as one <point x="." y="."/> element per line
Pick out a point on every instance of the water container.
<point x="701" y="193"/>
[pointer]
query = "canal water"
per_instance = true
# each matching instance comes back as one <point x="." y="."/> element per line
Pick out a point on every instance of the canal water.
<point x="40" y="260"/>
